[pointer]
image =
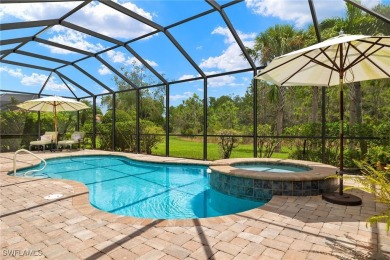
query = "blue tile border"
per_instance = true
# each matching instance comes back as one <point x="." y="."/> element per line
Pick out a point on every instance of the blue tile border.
<point x="256" y="189"/>
<point x="262" y="185"/>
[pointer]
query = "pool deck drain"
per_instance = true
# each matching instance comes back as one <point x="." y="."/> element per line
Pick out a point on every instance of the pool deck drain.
<point x="70" y="228"/>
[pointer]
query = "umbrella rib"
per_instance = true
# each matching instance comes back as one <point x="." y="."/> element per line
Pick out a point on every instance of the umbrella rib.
<point x="288" y="61"/>
<point x="71" y="105"/>
<point x="377" y="42"/>
<point x="368" y="58"/>
<point x="346" y="55"/>
<point x="35" y="105"/>
<point x="334" y="63"/>
<point x="322" y="64"/>
<point x="353" y="63"/>
<point x="361" y="57"/>
<point x="67" y="103"/>
<point x="310" y="60"/>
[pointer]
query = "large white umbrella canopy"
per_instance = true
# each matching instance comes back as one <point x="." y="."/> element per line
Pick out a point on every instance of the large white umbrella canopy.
<point x="339" y="60"/>
<point x="351" y="58"/>
<point x="53" y="104"/>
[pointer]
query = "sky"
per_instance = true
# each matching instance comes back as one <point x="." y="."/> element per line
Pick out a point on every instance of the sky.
<point x="207" y="40"/>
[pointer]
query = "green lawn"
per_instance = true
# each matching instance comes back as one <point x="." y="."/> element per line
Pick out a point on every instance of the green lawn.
<point x="187" y="148"/>
<point x="194" y="149"/>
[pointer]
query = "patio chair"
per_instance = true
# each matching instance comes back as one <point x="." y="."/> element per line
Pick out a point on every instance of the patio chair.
<point x="49" y="138"/>
<point x="76" y="138"/>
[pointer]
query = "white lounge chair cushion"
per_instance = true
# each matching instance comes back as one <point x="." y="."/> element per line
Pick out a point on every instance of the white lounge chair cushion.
<point x="46" y="137"/>
<point x="76" y="136"/>
<point x="41" y="142"/>
<point x="67" y="142"/>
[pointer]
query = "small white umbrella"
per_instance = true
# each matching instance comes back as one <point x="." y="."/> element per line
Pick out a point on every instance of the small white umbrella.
<point x="53" y="104"/>
<point x="345" y="58"/>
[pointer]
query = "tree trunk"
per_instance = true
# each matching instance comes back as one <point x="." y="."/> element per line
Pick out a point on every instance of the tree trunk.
<point x="354" y="105"/>
<point x="355" y="112"/>
<point x="314" y="105"/>
<point x="280" y="114"/>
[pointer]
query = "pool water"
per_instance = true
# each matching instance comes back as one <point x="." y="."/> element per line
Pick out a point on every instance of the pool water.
<point x="264" y="167"/>
<point x="148" y="190"/>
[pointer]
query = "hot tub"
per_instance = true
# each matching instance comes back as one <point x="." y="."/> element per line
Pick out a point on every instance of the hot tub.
<point x="272" y="167"/>
<point x="260" y="179"/>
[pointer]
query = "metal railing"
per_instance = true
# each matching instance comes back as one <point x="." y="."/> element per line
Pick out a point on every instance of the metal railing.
<point x="27" y="151"/>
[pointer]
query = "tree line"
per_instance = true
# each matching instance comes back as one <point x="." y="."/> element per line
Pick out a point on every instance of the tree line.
<point x="281" y="111"/>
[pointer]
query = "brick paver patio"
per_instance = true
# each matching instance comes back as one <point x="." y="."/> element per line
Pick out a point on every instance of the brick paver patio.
<point x="70" y="228"/>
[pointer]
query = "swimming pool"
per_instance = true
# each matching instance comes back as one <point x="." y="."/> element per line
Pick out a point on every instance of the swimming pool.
<point x="148" y="190"/>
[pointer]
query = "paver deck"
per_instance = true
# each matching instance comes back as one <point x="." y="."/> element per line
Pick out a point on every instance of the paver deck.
<point x="32" y="227"/>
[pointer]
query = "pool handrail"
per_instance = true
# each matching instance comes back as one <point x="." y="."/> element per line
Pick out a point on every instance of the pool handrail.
<point x="27" y="151"/>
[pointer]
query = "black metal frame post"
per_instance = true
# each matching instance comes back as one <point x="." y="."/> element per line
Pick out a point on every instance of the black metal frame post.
<point x="94" y="123"/>
<point x="167" y="120"/>
<point x="39" y="120"/>
<point x="137" y="111"/>
<point x="39" y="124"/>
<point x="254" y="115"/>
<point x="113" y="129"/>
<point x="323" y="91"/>
<point x="78" y="118"/>
<point x="205" y="119"/>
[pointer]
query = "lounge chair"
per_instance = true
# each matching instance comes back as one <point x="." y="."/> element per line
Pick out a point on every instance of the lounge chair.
<point x="76" y="138"/>
<point x="49" y="138"/>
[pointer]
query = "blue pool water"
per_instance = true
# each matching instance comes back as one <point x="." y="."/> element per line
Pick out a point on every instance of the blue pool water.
<point x="148" y="190"/>
<point x="267" y="167"/>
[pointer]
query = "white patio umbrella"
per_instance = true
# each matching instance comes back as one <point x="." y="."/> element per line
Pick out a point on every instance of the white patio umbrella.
<point x="53" y="104"/>
<point x="339" y="60"/>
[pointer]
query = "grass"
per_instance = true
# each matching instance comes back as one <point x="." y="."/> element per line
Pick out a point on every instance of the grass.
<point x="193" y="148"/>
<point x="188" y="148"/>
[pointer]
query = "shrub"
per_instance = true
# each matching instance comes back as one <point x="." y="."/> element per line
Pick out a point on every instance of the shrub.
<point x="266" y="146"/>
<point x="377" y="183"/>
<point x="311" y="148"/>
<point x="125" y="136"/>
<point x="150" y="136"/>
<point x="227" y="141"/>
<point x="350" y="157"/>
<point x="378" y="155"/>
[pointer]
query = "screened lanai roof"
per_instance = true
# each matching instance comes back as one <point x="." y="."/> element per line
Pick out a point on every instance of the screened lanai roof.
<point x="75" y="48"/>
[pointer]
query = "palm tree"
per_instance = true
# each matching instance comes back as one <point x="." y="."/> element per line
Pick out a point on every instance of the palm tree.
<point x="311" y="39"/>
<point x="355" y="22"/>
<point x="274" y="42"/>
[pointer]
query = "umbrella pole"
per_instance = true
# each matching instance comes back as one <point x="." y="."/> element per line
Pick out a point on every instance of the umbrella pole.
<point x="340" y="197"/>
<point x="341" y="134"/>
<point x="55" y="117"/>
<point x="341" y="83"/>
<point x="334" y="197"/>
